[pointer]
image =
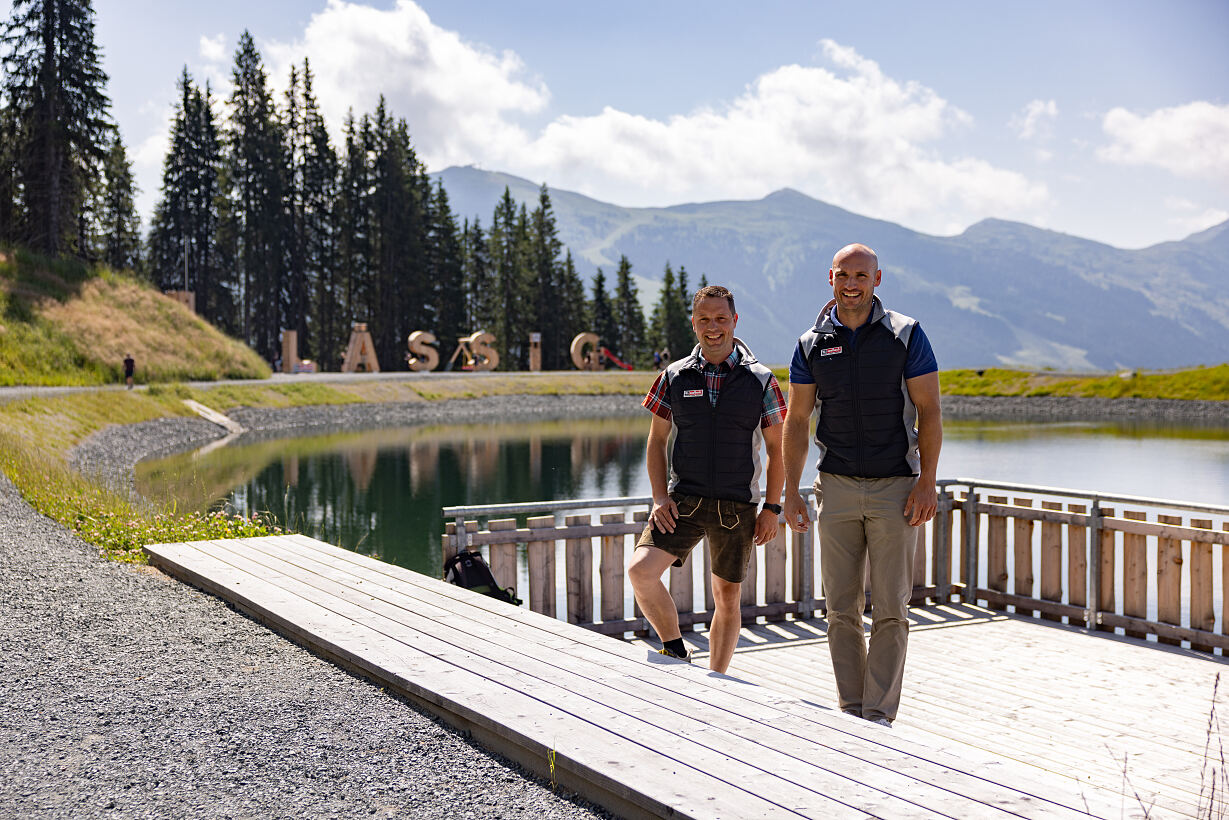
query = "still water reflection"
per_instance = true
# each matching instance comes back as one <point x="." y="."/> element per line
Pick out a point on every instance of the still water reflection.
<point x="380" y="492"/>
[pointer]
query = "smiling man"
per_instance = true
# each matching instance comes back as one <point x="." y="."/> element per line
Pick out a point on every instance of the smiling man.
<point x="870" y="378"/>
<point x="711" y="410"/>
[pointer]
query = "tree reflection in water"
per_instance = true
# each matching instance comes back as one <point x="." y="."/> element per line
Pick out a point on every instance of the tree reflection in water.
<point x="380" y="492"/>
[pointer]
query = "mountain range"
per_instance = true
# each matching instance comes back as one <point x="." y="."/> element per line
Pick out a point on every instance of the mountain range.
<point x="999" y="294"/>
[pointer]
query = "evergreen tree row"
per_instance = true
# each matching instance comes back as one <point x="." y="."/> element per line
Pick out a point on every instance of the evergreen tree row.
<point x="66" y="185"/>
<point x="274" y="228"/>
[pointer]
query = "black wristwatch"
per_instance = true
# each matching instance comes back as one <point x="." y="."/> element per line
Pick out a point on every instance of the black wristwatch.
<point x="776" y="508"/>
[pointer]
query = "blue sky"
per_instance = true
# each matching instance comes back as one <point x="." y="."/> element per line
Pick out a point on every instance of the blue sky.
<point x="1108" y="120"/>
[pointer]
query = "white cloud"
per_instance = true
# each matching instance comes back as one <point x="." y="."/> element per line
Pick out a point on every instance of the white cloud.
<point x="213" y="49"/>
<point x="1189" y="217"/>
<point x="458" y="97"/>
<point x="1035" y="120"/>
<point x="856" y="138"/>
<point x="1190" y="140"/>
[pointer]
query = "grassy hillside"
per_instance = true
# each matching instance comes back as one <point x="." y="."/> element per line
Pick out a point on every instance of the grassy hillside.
<point x="1207" y="383"/>
<point x="65" y="323"/>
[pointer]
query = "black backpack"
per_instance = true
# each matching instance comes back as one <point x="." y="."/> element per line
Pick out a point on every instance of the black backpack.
<point x="468" y="569"/>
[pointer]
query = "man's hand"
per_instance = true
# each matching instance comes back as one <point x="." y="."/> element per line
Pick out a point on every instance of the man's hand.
<point x="796" y="514"/>
<point x="921" y="504"/>
<point x="665" y="514"/>
<point x="765" y="527"/>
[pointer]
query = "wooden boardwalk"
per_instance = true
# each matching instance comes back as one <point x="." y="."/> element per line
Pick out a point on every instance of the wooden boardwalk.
<point x="1122" y="714"/>
<point x="640" y="734"/>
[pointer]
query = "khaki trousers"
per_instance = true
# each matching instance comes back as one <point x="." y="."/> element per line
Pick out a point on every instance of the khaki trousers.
<point x="861" y="518"/>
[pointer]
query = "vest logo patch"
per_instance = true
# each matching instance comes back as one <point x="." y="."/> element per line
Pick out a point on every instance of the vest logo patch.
<point x="692" y="394"/>
<point x="831" y="351"/>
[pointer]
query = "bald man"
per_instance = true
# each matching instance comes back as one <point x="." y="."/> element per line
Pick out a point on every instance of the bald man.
<point x="869" y="376"/>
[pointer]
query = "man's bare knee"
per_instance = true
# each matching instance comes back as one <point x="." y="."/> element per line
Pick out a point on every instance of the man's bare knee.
<point x="726" y="594"/>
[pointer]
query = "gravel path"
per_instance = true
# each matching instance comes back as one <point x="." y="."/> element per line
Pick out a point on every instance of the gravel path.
<point x="126" y="694"/>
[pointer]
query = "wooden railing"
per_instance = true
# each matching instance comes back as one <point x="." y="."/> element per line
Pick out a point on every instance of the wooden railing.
<point x="1072" y="559"/>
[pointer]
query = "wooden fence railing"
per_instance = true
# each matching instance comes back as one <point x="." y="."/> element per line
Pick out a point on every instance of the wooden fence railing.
<point x="1149" y="567"/>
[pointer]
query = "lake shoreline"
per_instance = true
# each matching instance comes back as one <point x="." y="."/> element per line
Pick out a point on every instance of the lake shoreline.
<point x="111" y="454"/>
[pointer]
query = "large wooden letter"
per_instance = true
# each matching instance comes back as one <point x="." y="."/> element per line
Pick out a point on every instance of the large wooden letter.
<point x="583" y="360"/>
<point x="361" y="351"/>
<point x="485" y="357"/>
<point x="422" y="355"/>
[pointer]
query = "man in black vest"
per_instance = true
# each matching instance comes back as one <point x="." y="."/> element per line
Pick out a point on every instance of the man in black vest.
<point x="870" y="378"/>
<point x="711" y="410"/>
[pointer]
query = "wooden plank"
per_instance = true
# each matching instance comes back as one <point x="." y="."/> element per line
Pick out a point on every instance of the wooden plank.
<point x="996" y="549"/>
<point x="611" y="571"/>
<point x="962" y="526"/>
<point x="1224" y="587"/>
<point x="685" y="702"/>
<point x="503" y="556"/>
<point x="1134" y="571"/>
<point x="530" y="710"/>
<point x="803" y="554"/>
<point x="681" y="586"/>
<point x="1022" y="554"/>
<point x="1169" y="578"/>
<point x="1203" y="536"/>
<point x="640" y="710"/>
<point x="639" y="517"/>
<point x="774" y="568"/>
<point x="941" y="554"/>
<point x="1077" y="564"/>
<point x="578" y="560"/>
<point x="1203" y="614"/>
<point x="1106" y="576"/>
<point x="919" y="563"/>
<point x="522" y="614"/>
<point x="1051" y="587"/>
<point x="541" y="555"/>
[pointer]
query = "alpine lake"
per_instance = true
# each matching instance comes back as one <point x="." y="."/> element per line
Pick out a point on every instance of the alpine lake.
<point x="380" y="492"/>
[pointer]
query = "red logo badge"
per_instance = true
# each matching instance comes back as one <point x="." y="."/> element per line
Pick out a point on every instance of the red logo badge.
<point x="692" y="394"/>
<point x="830" y="351"/>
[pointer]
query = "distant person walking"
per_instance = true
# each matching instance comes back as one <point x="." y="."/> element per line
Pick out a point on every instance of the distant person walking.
<point x="716" y="405"/>
<point x="873" y="375"/>
<point x="130" y="367"/>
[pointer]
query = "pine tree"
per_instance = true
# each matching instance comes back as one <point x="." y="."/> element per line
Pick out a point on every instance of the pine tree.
<point x="671" y="328"/>
<point x="507" y="241"/>
<point x="353" y="225"/>
<point x="58" y="121"/>
<point x="257" y="175"/>
<point x="318" y="195"/>
<point x="8" y="172"/>
<point x="479" y="276"/>
<point x="184" y="247"/>
<point x="446" y="271"/>
<point x="573" y="312"/>
<point x="629" y="317"/>
<point x="602" y="313"/>
<point x="545" y="277"/>
<point x="119" y="227"/>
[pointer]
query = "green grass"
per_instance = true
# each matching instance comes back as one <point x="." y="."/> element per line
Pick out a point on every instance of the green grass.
<point x="1206" y="383"/>
<point x="117" y="525"/>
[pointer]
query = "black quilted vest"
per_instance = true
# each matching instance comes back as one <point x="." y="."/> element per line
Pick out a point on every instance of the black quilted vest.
<point x="862" y="402"/>
<point x="713" y="455"/>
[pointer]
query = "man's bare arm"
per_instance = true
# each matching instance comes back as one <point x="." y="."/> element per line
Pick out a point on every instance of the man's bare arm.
<point x="665" y="512"/>
<point x="924" y="393"/>
<point x="774" y="477"/>
<point x="796" y="440"/>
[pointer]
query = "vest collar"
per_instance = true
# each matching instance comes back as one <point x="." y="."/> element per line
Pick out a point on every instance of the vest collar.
<point x="827" y="322"/>
<point x="741" y="351"/>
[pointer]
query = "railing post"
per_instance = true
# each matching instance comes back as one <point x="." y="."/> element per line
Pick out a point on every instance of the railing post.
<point x="942" y="548"/>
<point x="972" y="534"/>
<point x="1092" y="615"/>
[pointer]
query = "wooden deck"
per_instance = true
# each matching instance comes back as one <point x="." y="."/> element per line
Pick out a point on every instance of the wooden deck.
<point x="639" y="734"/>
<point x="1121" y="714"/>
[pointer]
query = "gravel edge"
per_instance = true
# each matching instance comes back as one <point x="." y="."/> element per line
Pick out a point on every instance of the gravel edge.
<point x="126" y="694"/>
